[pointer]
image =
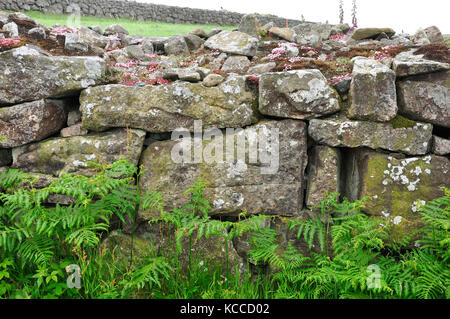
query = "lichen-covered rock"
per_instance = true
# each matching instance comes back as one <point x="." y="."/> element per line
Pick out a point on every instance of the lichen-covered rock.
<point x="407" y="63"/>
<point x="426" y="101"/>
<point x="233" y="42"/>
<point x="212" y="80"/>
<point x="73" y="42"/>
<point x="441" y="146"/>
<point x="412" y="139"/>
<point x="372" y="91"/>
<point x="28" y="75"/>
<point x="165" y="108"/>
<point x="249" y="24"/>
<point x="262" y="68"/>
<point x="176" y="45"/>
<point x="33" y="121"/>
<point x="193" y="41"/>
<point x="70" y="155"/>
<point x="300" y="94"/>
<point x="395" y="185"/>
<point x="236" y="64"/>
<point x="283" y="33"/>
<point x="115" y="28"/>
<point x="311" y="33"/>
<point x="264" y="182"/>
<point x="324" y="168"/>
<point x="74" y="130"/>
<point x="371" y="33"/>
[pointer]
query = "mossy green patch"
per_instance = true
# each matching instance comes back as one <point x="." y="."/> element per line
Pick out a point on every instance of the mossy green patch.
<point x="402" y="122"/>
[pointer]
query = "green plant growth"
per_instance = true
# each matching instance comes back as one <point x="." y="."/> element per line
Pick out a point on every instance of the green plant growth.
<point x="349" y="255"/>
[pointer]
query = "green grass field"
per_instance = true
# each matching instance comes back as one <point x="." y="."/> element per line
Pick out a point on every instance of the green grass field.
<point x="145" y="28"/>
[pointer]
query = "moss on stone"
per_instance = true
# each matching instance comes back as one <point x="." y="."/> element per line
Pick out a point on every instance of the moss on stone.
<point x="402" y="122"/>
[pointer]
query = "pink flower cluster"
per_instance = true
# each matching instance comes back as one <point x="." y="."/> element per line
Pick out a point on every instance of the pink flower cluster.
<point x="279" y="52"/>
<point x="61" y="31"/>
<point x="152" y="56"/>
<point x="295" y="59"/>
<point x="342" y="77"/>
<point x="384" y="53"/>
<point x="8" y="42"/>
<point x="339" y="37"/>
<point x="127" y="65"/>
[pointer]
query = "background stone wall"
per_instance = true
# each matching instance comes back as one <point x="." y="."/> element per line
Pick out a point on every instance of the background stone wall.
<point x="138" y="11"/>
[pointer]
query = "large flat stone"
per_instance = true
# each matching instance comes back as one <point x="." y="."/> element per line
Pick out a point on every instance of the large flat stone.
<point x="301" y="94"/>
<point x="233" y="42"/>
<point x="32" y="121"/>
<point x="166" y="108"/>
<point x="406" y="64"/>
<point x="70" y="155"/>
<point x="28" y="74"/>
<point x="235" y="184"/>
<point x="341" y="132"/>
<point x="395" y="185"/>
<point x="368" y="33"/>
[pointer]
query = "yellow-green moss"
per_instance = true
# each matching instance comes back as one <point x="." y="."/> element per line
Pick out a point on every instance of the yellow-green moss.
<point x="402" y="122"/>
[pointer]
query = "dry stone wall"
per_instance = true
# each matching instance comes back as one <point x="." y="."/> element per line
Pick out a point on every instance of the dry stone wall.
<point x="137" y="11"/>
<point x="366" y="117"/>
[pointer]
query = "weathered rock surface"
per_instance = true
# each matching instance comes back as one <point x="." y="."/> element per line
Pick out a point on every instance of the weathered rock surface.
<point x="406" y="63"/>
<point x="395" y="185"/>
<point x="176" y="45"/>
<point x="312" y="33"/>
<point x="324" y="168"/>
<point x="441" y="146"/>
<point x="212" y="80"/>
<point x="300" y="94"/>
<point x="249" y="24"/>
<point x="233" y="42"/>
<point x="262" y="68"/>
<point x="27" y="75"/>
<point x="283" y="33"/>
<point x="193" y="42"/>
<point x="426" y="101"/>
<point x="74" y="130"/>
<point x="29" y="122"/>
<point x="73" y="42"/>
<point x="70" y="155"/>
<point x="165" y="108"/>
<point x="115" y="28"/>
<point x="341" y="132"/>
<point x="263" y="184"/>
<point x="236" y="64"/>
<point x="371" y="33"/>
<point x="372" y="91"/>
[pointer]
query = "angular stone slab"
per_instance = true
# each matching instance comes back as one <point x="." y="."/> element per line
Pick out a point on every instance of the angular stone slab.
<point x="300" y="94"/>
<point x="27" y="75"/>
<point x="341" y="132"/>
<point x="165" y="108"/>
<point x="406" y="64"/>
<point x="367" y="33"/>
<point x="28" y="122"/>
<point x="233" y="42"/>
<point x="395" y="185"/>
<point x="70" y="155"/>
<point x="234" y="184"/>
<point x="324" y="170"/>
<point x="372" y="91"/>
<point x="425" y="101"/>
<point x="441" y="146"/>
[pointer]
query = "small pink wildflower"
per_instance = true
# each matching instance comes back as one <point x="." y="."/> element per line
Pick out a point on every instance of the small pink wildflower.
<point x="62" y="31"/>
<point x="8" y="42"/>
